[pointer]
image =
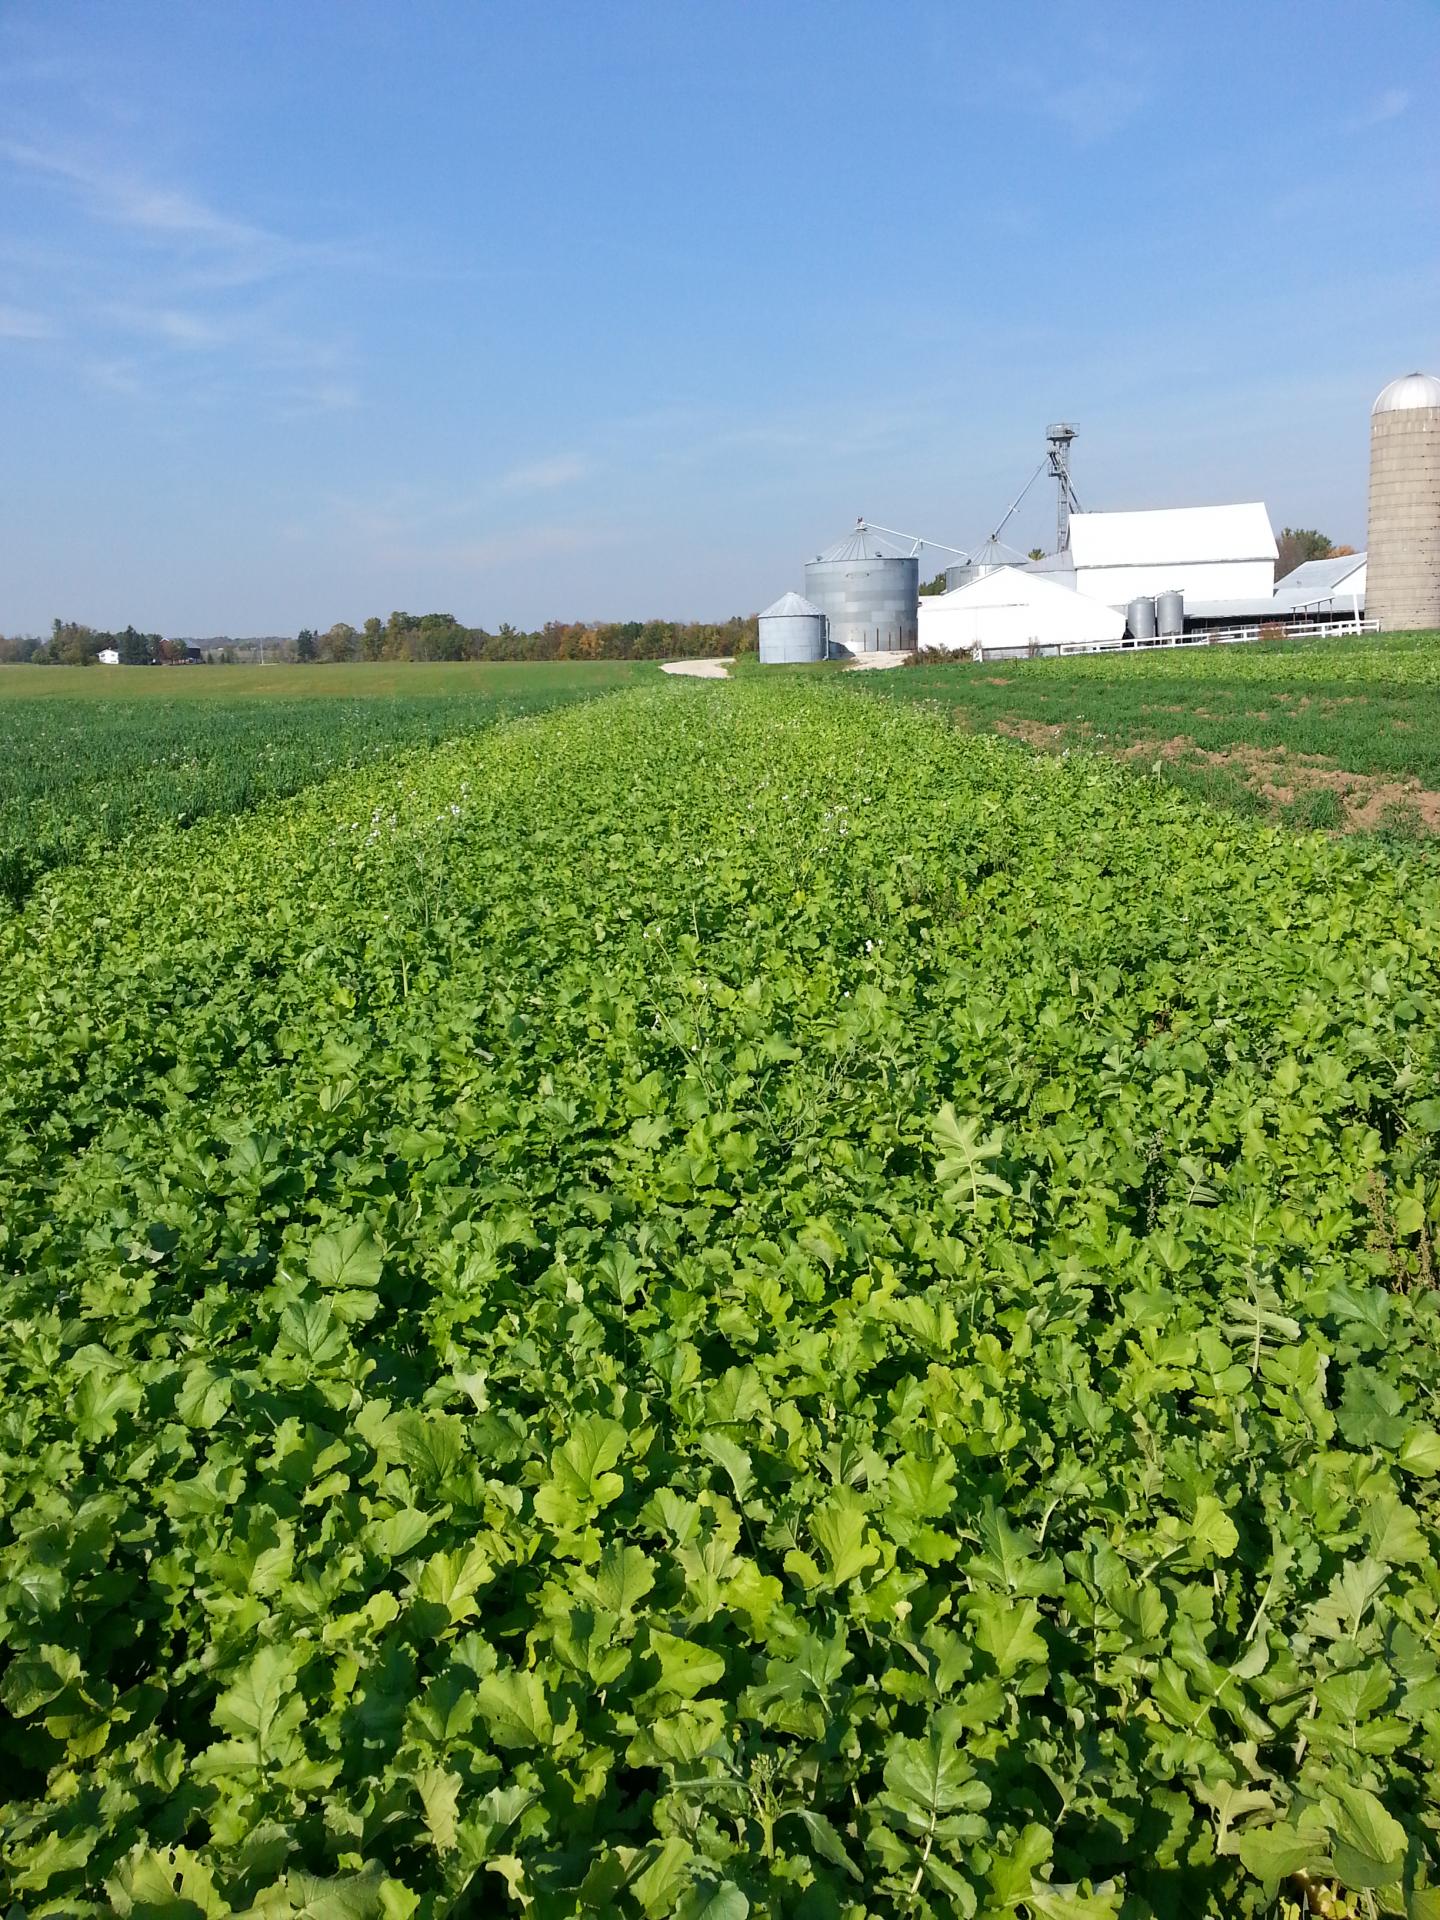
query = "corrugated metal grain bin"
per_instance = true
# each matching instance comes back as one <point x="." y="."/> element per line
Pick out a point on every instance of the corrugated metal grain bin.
<point x="869" y="593"/>
<point x="792" y="632"/>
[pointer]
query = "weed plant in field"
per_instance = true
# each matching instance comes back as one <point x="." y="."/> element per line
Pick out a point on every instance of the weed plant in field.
<point x="727" y="1302"/>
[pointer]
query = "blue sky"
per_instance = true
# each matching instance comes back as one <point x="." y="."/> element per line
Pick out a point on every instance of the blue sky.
<point x="308" y="311"/>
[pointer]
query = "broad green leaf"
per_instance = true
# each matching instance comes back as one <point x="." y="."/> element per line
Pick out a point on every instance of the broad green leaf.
<point x="623" y="1576"/>
<point x="1213" y="1530"/>
<point x="1368" y="1844"/>
<point x="840" y="1529"/>
<point x="581" y="1482"/>
<point x="1010" y="1557"/>
<point x="310" y="1331"/>
<point x="262" y="1712"/>
<point x="1394" y="1532"/>
<point x="100" y="1400"/>
<point x="452" y="1580"/>
<point x="1273" y="1853"/>
<point x="33" y="1680"/>
<point x="966" y="1157"/>
<point x="714" y="1900"/>
<point x="928" y="1778"/>
<point x="347" y="1258"/>
<point x="440" y="1796"/>
<point x="169" y="1883"/>
<point x="514" y="1708"/>
<point x="1420" y="1451"/>
<point x="432" y="1445"/>
<point x="396" y="1535"/>
<point x="686" y="1669"/>
<point x="733" y="1458"/>
<point x="1012" y="1874"/>
<point x="665" y="1878"/>
<point x="1005" y="1629"/>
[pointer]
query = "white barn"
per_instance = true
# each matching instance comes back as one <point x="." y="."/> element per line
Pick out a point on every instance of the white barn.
<point x="1206" y="553"/>
<point x="1010" y="611"/>
<point x="1324" y="587"/>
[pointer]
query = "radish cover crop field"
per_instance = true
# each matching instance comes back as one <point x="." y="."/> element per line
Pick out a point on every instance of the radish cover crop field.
<point x="729" y="1301"/>
<point x="1266" y="728"/>
<point x="90" y="756"/>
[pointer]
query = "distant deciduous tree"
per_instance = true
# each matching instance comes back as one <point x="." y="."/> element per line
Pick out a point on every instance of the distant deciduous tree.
<point x="340" y="642"/>
<point x="72" y="644"/>
<point x="305" y="648"/>
<point x="1299" y="544"/>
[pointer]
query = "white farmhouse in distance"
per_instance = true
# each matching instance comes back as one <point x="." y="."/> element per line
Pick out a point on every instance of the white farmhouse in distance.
<point x="1206" y="553"/>
<point x="108" y="657"/>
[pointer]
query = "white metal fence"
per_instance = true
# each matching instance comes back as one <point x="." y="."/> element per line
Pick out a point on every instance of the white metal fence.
<point x="1199" y="637"/>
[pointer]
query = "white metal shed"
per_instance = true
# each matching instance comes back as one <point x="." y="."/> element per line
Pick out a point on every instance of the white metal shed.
<point x="1009" y="611"/>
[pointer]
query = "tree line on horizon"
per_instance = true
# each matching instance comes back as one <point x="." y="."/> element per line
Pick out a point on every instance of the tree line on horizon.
<point x="440" y="636"/>
<point x="73" y="644"/>
<point x="404" y="636"/>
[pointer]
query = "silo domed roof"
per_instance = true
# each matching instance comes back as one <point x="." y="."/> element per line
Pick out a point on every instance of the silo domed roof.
<point x="790" y="604"/>
<point x="1410" y="390"/>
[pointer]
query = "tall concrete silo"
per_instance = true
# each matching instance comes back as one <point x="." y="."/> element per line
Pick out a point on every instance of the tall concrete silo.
<point x="1402" y="580"/>
<point x="870" y="592"/>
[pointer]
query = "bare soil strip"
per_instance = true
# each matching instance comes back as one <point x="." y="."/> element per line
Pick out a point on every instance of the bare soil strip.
<point x="1278" y="774"/>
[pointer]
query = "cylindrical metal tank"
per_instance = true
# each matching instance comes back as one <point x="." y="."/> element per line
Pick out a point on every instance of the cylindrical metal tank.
<point x="869" y="593"/>
<point x="1402" y="576"/>
<point x="1170" y="614"/>
<point x="1140" y="618"/>
<point x="965" y="571"/>
<point x="792" y="632"/>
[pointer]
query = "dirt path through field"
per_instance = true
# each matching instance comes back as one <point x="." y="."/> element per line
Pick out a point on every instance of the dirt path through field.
<point x="699" y="669"/>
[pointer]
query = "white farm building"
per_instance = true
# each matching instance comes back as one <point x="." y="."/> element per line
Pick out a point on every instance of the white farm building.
<point x="1206" y="553"/>
<point x="1319" y="587"/>
<point x="1011" y="611"/>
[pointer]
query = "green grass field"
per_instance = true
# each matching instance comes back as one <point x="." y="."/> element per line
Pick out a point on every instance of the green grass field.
<point x="732" y="1301"/>
<point x="1330" y="733"/>
<point x="92" y="755"/>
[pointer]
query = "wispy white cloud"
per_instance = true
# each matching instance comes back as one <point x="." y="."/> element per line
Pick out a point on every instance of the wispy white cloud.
<point x="198" y="305"/>
<point x="176" y="326"/>
<point x="1389" y="105"/>
<point x="1101" y="93"/>
<point x="21" y="323"/>
<point x="115" y="376"/>
<point x="124" y="199"/>
<point x="319" y="396"/>
<point x="544" y="476"/>
<point x="1094" y="107"/>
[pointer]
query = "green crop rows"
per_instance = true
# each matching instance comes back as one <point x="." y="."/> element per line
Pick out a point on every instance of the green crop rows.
<point x="730" y="1301"/>
<point x="1366" y="705"/>
<point x="90" y="757"/>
